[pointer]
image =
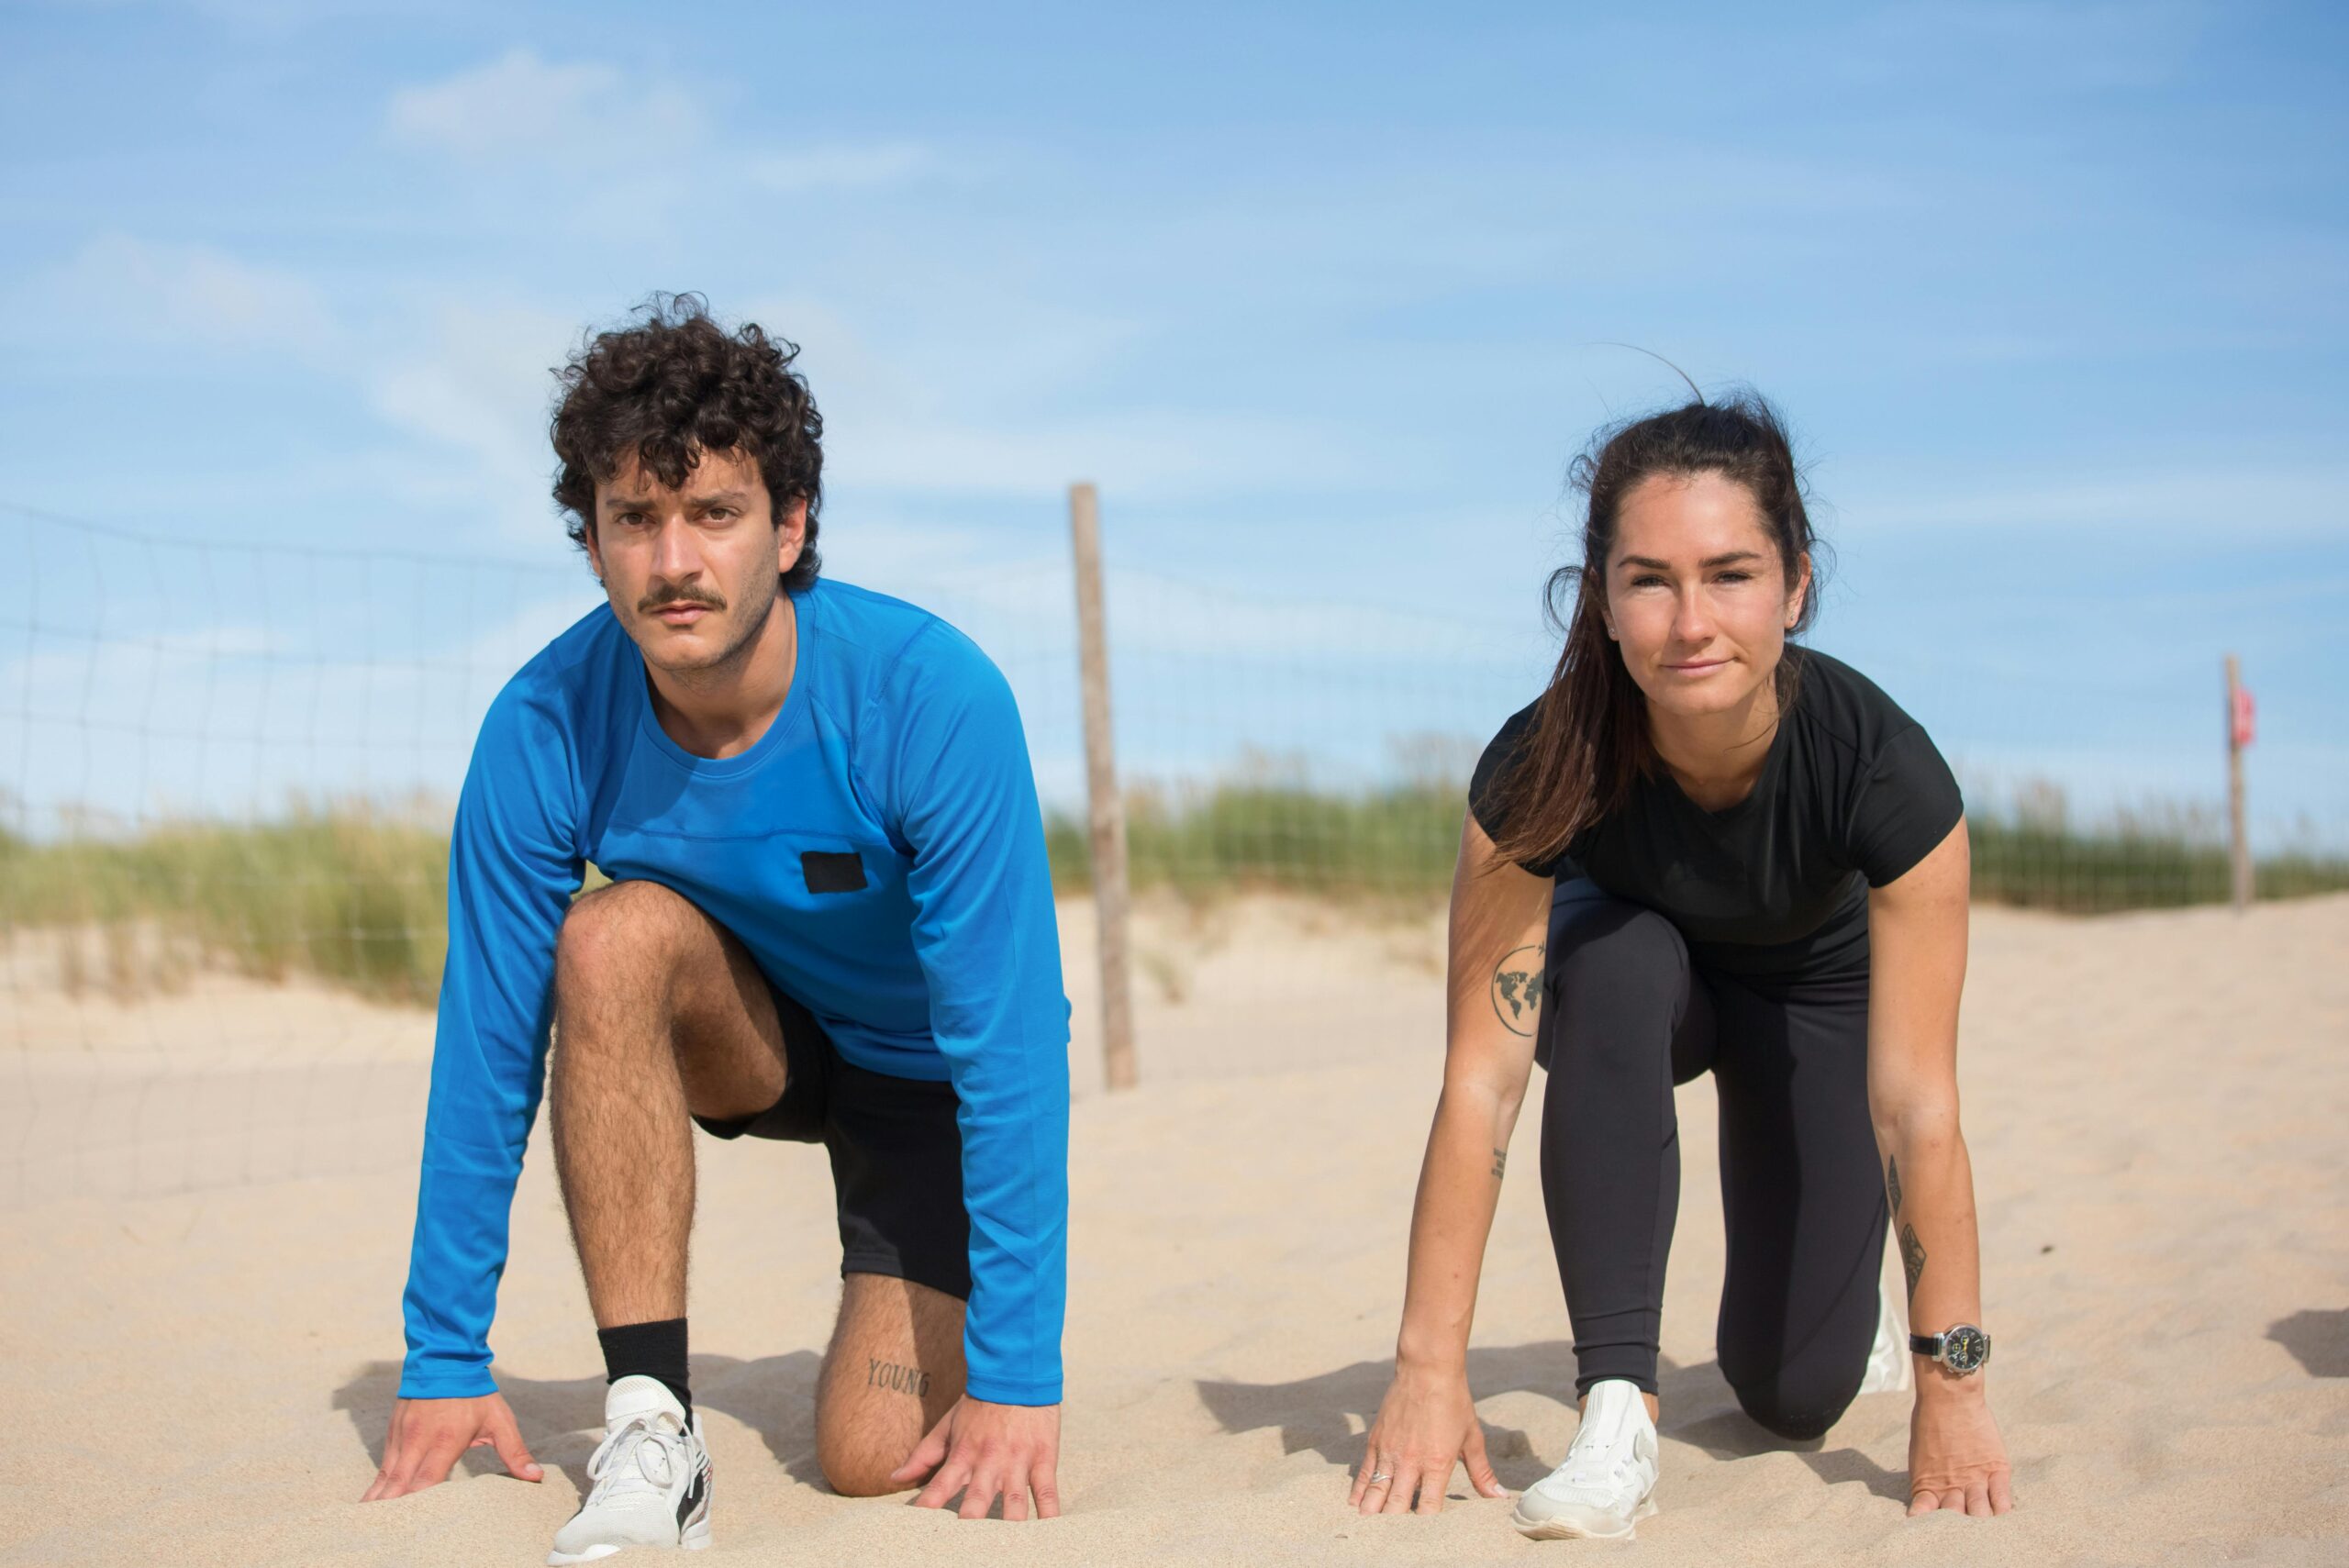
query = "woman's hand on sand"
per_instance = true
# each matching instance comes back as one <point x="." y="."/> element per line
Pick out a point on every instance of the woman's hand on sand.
<point x="1426" y="1425"/>
<point x="981" y="1449"/>
<point x="427" y="1435"/>
<point x="1957" y="1461"/>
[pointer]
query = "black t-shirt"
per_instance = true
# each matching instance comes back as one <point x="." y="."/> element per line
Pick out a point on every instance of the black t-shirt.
<point x="1774" y="888"/>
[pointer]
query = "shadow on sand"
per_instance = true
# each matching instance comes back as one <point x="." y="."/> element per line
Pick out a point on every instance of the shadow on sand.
<point x="2319" y="1340"/>
<point x="773" y="1395"/>
<point x="1322" y="1413"/>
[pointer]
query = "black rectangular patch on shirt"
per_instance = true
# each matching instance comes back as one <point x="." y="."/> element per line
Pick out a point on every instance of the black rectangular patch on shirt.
<point x="829" y="872"/>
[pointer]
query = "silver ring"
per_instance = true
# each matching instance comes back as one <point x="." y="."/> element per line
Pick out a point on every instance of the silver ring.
<point x="1378" y="1475"/>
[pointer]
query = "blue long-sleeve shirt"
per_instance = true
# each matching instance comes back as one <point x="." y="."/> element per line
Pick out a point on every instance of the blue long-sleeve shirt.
<point x="900" y="743"/>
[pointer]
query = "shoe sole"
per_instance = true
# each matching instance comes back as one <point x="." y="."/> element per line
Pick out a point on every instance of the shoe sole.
<point x="694" y="1539"/>
<point x="1564" y="1527"/>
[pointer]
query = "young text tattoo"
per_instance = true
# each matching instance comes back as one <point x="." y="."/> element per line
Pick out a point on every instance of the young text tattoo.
<point x="1912" y="1259"/>
<point x="1517" y="988"/>
<point x="1500" y="1162"/>
<point x="1892" y="1180"/>
<point x="897" y="1379"/>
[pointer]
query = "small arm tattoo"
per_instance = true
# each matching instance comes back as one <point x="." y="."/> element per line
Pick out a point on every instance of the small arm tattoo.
<point x="1892" y="1180"/>
<point x="1517" y="988"/>
<point x="879" y="1373"/>
<point x="1912" y="1259"/>
<point x="1500" y="1162"/>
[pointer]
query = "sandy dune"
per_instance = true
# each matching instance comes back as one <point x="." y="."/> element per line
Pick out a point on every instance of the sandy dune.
<point x="2157" y="1107"/>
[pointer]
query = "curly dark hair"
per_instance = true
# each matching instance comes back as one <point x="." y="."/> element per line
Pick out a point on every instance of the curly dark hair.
<point x="674" y="386"/>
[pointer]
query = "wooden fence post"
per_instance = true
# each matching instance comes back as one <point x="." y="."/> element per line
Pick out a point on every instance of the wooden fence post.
<point x="2238" y="737"/>
<point x="1106" y="808"/>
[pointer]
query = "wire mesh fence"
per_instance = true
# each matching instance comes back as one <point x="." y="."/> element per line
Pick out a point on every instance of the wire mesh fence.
<point x="226" y="777"/>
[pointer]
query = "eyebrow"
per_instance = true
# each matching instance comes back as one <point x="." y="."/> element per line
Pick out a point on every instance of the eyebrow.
<point x="722" y="498"/>
<point x="1731" y="558"/>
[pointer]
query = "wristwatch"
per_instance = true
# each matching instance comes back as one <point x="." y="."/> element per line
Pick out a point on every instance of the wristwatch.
<point x="1963" y="1350"/>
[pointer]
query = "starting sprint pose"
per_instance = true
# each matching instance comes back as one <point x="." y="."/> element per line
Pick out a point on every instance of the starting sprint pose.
<point x="829" y="920"/>
<point x="1704" y="848"/>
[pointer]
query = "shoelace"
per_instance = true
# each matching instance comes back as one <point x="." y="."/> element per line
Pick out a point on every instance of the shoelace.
<point x="1581" y="1469"/>
<point x="643" y="1440"/>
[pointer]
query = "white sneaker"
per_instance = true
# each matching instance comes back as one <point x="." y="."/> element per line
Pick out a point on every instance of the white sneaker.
<point x="1888" y="1368"/>
<point x="652" y="1476"/>
<point x="1607" y="1482"/>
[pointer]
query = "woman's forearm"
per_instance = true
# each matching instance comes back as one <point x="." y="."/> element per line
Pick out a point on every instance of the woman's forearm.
<point x="1917" y="927"/>
<point x="1930" y="1183"/>
<point x="1460" y="1184"/>
<point x="1499" y="915"/>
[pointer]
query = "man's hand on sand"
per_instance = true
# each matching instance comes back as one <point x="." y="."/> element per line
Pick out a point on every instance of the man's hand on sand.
<point x="981" y="1449"/>
<point x="427" y="1436"/>
<point x="1426" y="1425"/>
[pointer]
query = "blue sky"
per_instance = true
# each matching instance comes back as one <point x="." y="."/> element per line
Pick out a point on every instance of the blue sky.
<point x="2053" y="296"/>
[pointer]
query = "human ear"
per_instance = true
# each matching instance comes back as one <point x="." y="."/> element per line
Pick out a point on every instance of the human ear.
<point x="791" y="534"/>
<point x="1802" y="587"/>
<point x="595" y="556"/>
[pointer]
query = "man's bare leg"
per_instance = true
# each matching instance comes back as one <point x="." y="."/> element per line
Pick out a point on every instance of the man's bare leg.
<point x="658" y="1012"/>
<point x="895" y="1367"/>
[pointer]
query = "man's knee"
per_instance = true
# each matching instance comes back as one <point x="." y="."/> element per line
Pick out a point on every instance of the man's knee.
<point x="895" y="1368"/>
<point x="855" y="1465"/>
<point x="617" y="934"/>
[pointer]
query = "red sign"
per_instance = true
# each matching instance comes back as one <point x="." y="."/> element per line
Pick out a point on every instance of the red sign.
<point x="2239" y="717"/>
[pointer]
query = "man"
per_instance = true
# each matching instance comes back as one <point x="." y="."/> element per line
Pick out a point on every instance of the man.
<point x="829" y="920"/>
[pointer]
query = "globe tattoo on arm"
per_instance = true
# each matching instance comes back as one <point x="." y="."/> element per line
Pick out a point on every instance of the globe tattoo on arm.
<point x="1517" y="989"/>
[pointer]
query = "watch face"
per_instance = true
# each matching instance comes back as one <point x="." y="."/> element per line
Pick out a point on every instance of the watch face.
<point x="1964" y="1349"/>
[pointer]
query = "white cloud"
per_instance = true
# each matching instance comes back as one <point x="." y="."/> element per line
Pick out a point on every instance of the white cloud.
<point x="839" y="164"/>
<point x="160" y="293"/>
<point x="955" y="412"/>
<point x="521" y="105"/>
<point x="587" y="116"/>
<point x="1156" y="457"/>
<point x="2260" y="502"/>
<point x="1154" y="615"/>
<point x="482" y="389"/>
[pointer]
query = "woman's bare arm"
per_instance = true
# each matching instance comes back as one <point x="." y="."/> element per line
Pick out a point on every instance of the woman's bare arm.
<point x="1916" y="928"/>
<point x="1500" y="926"/>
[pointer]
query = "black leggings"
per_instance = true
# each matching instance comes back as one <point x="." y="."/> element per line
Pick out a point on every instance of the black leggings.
<point x="1627" y="1017"/>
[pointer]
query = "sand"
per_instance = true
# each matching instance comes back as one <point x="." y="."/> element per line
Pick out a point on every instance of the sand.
<point x="2156" y="1104"/>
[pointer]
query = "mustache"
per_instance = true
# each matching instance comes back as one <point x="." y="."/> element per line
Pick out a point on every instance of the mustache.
<point x="706" y="600"/>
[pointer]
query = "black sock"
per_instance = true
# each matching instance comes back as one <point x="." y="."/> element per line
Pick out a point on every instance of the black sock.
<point x="649" y="1350"/>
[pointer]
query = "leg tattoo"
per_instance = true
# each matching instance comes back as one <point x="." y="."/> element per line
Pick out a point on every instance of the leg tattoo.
<point x="897" y="1379"/>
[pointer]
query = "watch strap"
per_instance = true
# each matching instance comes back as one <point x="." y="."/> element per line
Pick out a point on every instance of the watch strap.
<point x="1926" y="1344"/>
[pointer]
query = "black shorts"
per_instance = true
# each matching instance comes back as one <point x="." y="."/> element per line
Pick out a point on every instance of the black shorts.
<point x="896" y="1153"/>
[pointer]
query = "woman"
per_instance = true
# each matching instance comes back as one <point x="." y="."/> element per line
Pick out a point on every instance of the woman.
<point x="1717" y="851"/>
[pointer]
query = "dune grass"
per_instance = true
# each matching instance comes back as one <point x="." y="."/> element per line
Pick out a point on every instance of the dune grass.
<point x="1392" y="842"/>
<point x="354" y="895"/>
<point x="1402" y="842"/>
